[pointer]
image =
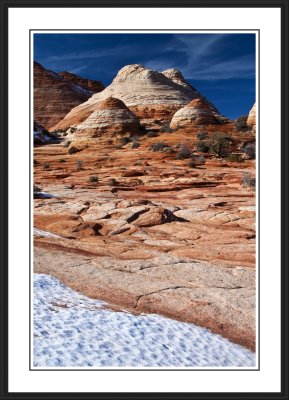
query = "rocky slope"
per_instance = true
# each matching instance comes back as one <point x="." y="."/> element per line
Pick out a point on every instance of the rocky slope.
<point x="251" y="121"/>
<point x="144" y="230"/>
<point x="56" y="94"/>
<point x="198" y="112"/>
<point x="110" y="116"/>
<point x="153" y="96"/>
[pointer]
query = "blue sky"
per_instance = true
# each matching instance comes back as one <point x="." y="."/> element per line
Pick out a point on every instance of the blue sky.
<point x="220" y="66"/>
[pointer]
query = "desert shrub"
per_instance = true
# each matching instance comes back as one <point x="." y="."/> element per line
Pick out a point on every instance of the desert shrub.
<point x="219" y="144"/>
<point x="36" y="189"/>
<point x="202" y="135"/>
<point x="169" y="150"/>
<point x="112" y="182"/>
<point x="79" y="165"/>
<point x="241" y="123"/>
<point x="184" y="152"/>
<point x="248" y="181"/>
<point x="250" y="150"/>
<point x="65" y="134"/>
<point x="201" y="160"/>
<point x="35" y="162"/>
<point x="46" y="165"/>
<point x="235" y="158"/>
<point x="135" y="145"/>
<point x="62" y="160"/>
<point x="72" y="129"/>
<point x="166" y="128"/>
<point x="151" y="134"/>
<point x="192" y="163"/>
<point x="159" y="146"/>
<point x="73" y="150"/>
<point x="202" y="147"/>
<point x="124" y="140"/>
<point x="67" y="143"/>
<point x="93" y="178"/>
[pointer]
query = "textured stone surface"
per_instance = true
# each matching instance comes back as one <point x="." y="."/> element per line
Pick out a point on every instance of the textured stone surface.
<point x="219" y="298"/>
<point x="56" y="94"/>
<point x="251" y="121"/>
<point x="180" y="241"/>
<point x="110" y="116"/>
<point x="153" y="96"/>
<point x="198" y="112"/>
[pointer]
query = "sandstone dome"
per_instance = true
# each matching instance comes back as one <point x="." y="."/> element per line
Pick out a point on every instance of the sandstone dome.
<point x="153" y="96"/>
<point x="110" y="116"/>
<point x="251" y="121"/>
<point x="197" y="112"/>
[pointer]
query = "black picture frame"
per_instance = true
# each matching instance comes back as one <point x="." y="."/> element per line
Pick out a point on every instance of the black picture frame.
<point x="283" y="5"/>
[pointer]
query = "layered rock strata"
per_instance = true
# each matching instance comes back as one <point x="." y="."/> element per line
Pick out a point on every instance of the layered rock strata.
<point x="110" y="116"/>
<point x="56" y="94"/>
<point x="198" y="112"/>
<point x="153" y="96"/>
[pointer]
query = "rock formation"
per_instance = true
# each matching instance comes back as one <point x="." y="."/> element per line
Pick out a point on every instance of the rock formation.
<point x="110" y="116"/>
<point x="40" y="134"/>
<point x="251" y="121"/>
<point x="56" y="94"/>
<point x="197" y="112"/>
<point x="153" y="96"/>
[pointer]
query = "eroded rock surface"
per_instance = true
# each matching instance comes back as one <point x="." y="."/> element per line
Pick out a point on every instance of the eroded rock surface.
<point x="110" y="116"/>
<point x="56" y="94"/>
<point x="251" y="121"/>
<point x="144" y="230"/>
<point x="198" y="112"/>
<point x="153" y="96"/>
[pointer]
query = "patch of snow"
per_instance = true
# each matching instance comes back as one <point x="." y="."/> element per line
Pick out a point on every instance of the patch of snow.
<point x="71" y="330"/>
<point x="40" y="232"/>
<point x="45" y="195"/>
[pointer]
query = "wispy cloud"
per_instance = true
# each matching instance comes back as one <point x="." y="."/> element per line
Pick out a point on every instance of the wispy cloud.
<point x="203" y="57"/>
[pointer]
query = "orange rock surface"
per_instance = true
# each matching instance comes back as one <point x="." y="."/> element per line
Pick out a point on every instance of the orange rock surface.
<point x="148" y="231"/>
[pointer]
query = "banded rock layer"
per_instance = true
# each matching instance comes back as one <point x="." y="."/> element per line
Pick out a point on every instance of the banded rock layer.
<point x="110" y="116"/>
<point x="153" y="96"/>
<point x="56" y="94"/>
<point x="197" y="112"/>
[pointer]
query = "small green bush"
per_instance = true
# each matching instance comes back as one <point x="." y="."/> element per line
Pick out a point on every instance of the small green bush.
<point x="235" y="158"/>
<point x="219" y="144"/>
<point x="135" y="145"/>
<point x="166" y="128"/>
<point x="73" y="150"/>
<point x="184" y="152"/>
<point x="159" y="146"/>
<point x="79" y="165"/>
<point x="93" y="178"/>
<point x="250" y="150"/>
<point x="202" y="135"/>
<point x="62" y="160"/>
<point x="112" y="182"/>
<point x="46" y="165"/>
<point x="241" y="123"/>
<point x="152" y="134"/>
<point x="36" y="189"/>
<point x="248" y="181"/>
<point x="202" y="147"/>
<point x="124" y="140"/>
<point x="192" y="163"/>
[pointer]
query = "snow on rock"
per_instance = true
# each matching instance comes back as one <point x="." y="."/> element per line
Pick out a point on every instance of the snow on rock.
<point x="71" y="330"/>
<point x="40" y="232"/>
